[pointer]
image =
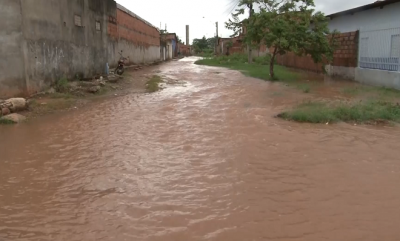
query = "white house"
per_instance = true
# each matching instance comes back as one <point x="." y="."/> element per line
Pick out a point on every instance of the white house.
<point x="379" y="40"/>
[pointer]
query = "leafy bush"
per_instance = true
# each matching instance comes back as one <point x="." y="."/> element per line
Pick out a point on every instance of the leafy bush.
<point x="62" y="85"/>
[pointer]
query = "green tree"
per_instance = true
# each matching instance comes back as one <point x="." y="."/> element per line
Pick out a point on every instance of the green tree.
<point x="200" y="44"/>
<point x="237" y="26"/>
<point x="290" y="26"/>
<point x="179" y="40"/>
<point x="212" y="42"/>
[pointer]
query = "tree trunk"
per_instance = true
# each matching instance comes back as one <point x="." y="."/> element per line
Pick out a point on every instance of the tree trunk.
<point x="272" y="63"/>
<point x="271" y="66"/>
<point x="250" y="60"/>
<point x="271" y="69"/>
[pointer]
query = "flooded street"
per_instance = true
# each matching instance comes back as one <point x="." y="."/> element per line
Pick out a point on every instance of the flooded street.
<point x="205" y="160"/>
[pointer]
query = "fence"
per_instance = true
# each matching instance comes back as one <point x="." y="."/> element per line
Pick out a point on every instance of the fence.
<point x="380" y="49"/>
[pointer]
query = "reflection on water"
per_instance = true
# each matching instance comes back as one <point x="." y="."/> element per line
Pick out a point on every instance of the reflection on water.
<point x="204" y="160"/>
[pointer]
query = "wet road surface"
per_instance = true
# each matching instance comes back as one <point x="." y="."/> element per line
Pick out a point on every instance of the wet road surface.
<point x="205" y="160"/>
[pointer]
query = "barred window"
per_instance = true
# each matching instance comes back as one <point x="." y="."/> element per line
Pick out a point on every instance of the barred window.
<point x="98" y="26"/>
<point x="78" y="20"/>
<point x="395" y="46"/>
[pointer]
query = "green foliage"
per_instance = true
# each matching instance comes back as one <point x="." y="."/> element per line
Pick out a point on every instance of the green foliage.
<point x="304" y="87"/>
<point x="229" y="44"/>
<point x="286" y="26"/>
<point x="6" y="122"/>
<point x="179" y="40"/>
<point x="361" y="112"/>
<point x="371" y="91"/>
<point x="204" y="44"/>
<point x="239" y="62"/>
<point x="263" y="60"/>
<point x="62" y="85"/>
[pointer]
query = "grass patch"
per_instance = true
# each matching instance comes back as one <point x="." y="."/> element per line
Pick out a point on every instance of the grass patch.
<point x="153" y="84"/>
<point x="61" y="95"/>
<point x="305" y="88"/>
<point x="62" y="85"/>
<point x="6" y="122"/>
<point x="51" y="105"/>
<point x="361" y="112"/>
<point x="379" y="92"/>
<point x="257" y="70"/>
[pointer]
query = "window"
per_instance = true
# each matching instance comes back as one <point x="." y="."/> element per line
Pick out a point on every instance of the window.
<point x="98" y="26"/>
<point x="395" y="46"/>
<point x="78" y="20"/>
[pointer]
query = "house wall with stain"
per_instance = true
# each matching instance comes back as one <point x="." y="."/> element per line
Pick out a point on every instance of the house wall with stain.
<point x="42" y="41"/>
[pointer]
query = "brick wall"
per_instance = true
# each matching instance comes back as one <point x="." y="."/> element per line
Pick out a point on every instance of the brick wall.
<point x="184" y="49"/>
<point x="344" y="56"/>
<point x="133" y="30"/>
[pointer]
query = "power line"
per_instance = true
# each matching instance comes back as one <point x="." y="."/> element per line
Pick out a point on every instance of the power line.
<point x="235" y="4"/>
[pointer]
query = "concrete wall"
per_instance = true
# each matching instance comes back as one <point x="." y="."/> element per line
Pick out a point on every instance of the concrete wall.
<point x="57" y="47"/>
<point x="12" y="70"/>
<point x="40" y="41"/>
<point x="340" y="72"/>
<point x="375" y="77"/>
<point x="387" y="17"/>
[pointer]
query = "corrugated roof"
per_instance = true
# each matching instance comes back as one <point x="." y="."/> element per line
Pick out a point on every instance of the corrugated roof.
<point x="376" y="4"/>
<point x="122" y="8"/>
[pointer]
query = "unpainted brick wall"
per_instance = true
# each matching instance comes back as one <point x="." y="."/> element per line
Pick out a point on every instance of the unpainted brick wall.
<point x="133" y="30"/>
<point x="345" y="55"/>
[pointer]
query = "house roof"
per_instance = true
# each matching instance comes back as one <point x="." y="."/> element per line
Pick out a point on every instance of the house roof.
<point x="377" y="4"/>
<point x="169" y="36"/>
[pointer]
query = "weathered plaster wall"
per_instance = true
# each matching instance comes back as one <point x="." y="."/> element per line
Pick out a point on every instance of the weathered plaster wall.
<point x="57" y="47"/>
<point x="12" y="71"/>
<point x="40" y="41"/>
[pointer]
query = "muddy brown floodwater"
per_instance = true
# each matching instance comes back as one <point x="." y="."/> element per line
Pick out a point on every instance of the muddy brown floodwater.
<point x="201" y="161"/>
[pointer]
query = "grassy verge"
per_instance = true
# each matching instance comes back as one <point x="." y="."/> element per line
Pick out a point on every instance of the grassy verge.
<point x="259" y="69"/>
<point x="372" y="91"/>
<point x="5" y="122"/>
<point x="361" y="112"/>
<point x="153" y="84"/>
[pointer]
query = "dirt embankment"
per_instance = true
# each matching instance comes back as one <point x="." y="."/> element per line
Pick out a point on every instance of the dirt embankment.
<point x="67" y="94"/>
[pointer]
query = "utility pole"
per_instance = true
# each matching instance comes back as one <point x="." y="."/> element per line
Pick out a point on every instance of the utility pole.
<point x="216" y="39"/>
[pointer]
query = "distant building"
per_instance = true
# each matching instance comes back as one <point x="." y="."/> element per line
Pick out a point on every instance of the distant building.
<point x="171" y="45"/>
<point x="232" y="45"/>
<point x="185" y="50"/>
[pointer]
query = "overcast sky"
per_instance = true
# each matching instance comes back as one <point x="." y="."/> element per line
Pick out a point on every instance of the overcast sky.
<point x="201" y="15"/>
